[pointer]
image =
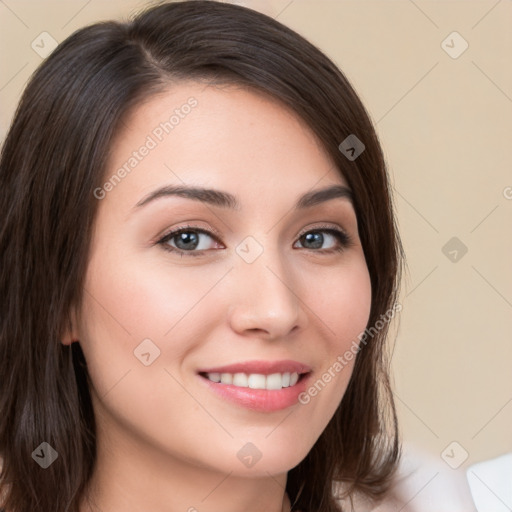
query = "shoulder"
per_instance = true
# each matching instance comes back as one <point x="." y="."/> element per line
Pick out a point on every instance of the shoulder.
<point x="490" y="483"/>
<point x="426" y="477"/>
<point x="443" y="487"/>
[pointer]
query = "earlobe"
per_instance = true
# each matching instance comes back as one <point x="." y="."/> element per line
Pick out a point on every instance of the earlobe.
<point x="70" y="334"/>
<point x="68" y="339"/>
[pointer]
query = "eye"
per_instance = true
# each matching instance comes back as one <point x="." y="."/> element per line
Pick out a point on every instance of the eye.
<point x="193" y="241"/>
<point x="314" y="239"/>
<point x="187" y="239"/>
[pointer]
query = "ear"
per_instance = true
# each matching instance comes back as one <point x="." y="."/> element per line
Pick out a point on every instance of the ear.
<point x="70" y="333"/>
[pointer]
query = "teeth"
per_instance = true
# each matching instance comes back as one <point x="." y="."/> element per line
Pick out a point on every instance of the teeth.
<point x="215" y="377"/>
<point x="256" y="380"/>
<point x="240" y="380"/>
<point x="225" y="378"/>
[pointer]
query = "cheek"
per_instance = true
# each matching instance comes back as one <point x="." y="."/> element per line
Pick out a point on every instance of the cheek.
<point x="127" y="303"/>
<point x="129" y="311"/>
<point x="343" y="308"/>
<point x="132" y="298"/>
<point x="354" y="305"/>
<point x="343" y="302"/>
<point x="353" y="302"/>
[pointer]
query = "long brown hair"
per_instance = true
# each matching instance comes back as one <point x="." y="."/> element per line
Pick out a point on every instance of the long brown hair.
<point x="53" y="159"/>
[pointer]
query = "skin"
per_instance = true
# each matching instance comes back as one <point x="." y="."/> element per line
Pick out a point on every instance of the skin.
<point x="165" y="441"/>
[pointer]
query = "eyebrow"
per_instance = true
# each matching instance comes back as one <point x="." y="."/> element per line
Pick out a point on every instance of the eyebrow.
<point x="223" y="199"/>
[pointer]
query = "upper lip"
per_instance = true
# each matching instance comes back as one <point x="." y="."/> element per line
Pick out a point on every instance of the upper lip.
<point x="260" y="367"/>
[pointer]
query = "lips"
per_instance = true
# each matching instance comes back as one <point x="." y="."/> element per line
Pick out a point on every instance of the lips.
<point x="260" y="367"/>
<point x="263" y="386"/>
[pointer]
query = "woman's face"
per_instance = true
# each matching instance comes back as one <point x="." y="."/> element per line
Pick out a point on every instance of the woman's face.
<point x="267" y="289"/>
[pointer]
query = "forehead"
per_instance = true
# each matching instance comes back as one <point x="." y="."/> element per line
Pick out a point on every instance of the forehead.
<point x="222" y="136"/>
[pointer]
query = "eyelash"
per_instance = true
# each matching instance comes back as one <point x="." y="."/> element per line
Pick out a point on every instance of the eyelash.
<point x="343" y="238"/>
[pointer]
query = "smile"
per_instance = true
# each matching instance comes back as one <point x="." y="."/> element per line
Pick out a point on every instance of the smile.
<point x="263" y="386"/>
<point x="255" y="380"/>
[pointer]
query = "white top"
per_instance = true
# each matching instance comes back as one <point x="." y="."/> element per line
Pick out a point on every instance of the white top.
<point x="490" y="483"/>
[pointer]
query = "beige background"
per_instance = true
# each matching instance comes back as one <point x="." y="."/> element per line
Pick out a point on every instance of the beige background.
<point x="445" y="124"/>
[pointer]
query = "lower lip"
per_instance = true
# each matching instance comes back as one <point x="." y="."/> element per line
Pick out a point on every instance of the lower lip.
<point x="261" y="400"/>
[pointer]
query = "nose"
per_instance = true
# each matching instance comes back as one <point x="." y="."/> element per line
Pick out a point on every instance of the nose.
<point x="266" y="299"/>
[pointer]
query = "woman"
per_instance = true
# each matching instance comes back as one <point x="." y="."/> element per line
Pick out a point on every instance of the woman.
<point x="201" y="262"/>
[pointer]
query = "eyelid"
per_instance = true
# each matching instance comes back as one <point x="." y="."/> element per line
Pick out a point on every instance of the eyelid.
<point x="324" y="226"/>
<point x="346" y="242"/>
<point x="213" y="233"/>
<point x="175" y="231"/>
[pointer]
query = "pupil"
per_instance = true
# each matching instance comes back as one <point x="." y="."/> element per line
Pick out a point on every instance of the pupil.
<point x="316" y="239"/>
<point x="189" y="239"/>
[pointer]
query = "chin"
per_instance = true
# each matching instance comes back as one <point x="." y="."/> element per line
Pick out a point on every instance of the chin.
<point x="275" y="454"/>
